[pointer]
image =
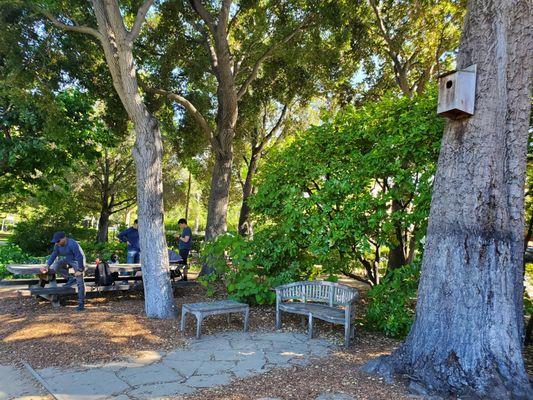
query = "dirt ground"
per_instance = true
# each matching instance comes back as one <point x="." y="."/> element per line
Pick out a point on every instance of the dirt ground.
<point x="114" y="327"/>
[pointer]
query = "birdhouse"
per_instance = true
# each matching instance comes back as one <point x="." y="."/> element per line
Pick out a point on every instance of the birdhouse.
<point x="457" y="93"/>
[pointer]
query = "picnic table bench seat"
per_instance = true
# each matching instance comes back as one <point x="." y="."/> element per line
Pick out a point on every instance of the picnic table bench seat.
<point x="329" y="301"/>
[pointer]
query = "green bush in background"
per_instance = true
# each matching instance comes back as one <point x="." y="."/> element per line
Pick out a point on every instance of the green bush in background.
<point x="103" y="251"/>
<point x="33" y="235"/>
<point x="11" y="254"/>
<point x="392" y="303"/>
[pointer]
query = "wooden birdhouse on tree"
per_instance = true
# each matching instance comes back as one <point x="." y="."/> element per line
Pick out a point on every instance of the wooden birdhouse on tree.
<point x="457" y="93"/>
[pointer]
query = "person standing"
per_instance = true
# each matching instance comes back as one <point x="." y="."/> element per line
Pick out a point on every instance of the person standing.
<point x="71" y="255"/>
<point x="131" y="237"/>
<point x="184" y="244"/>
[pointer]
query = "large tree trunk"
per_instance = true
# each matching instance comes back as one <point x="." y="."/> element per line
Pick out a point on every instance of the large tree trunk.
<point x="117" y="44"/>
<point x="103" y="227"/>
<point x="217" y="208"/>
<point x="245" y="220"/>
<point x="148" y="152"/>
<point x="467" y="334"/>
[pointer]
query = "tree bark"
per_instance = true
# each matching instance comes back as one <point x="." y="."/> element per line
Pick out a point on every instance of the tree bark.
<point x="468" y="329"/>
<point x="217" y="208"/>
<point x="397" y="253"/>
<point x="117" y="43"/>
<point x="103" y="227"/>
<point x="245" y="222"/>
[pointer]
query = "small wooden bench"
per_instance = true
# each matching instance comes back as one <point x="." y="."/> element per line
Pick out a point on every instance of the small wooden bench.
<point x="204" y="309"/>
<point x="328" y="301"/>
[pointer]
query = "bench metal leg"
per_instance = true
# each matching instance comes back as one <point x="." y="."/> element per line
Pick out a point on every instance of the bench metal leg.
<point x="278" y="318"/>
<point x="310" y="327"/>
<point x="183" y="317"/>
<point x="352" y="335"/>
<point x="55" y="301"/>
<point x="303" y="321"/>
<point x="246" y="318"/>
<point x="347" y="332"/>
<point x="199" y="320"/>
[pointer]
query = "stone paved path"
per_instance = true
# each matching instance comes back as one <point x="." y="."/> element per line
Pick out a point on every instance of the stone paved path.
<point x="211" y="361"/>
<point x="16" y="383"/>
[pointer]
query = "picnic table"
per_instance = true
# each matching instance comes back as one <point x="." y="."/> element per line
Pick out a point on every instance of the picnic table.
<point x="53" y="292"/>
<point x="34" y="269"/>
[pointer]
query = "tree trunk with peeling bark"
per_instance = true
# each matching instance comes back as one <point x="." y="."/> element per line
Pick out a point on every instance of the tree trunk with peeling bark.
<point x="468" y="329"/>
<point x="117" y="44"/>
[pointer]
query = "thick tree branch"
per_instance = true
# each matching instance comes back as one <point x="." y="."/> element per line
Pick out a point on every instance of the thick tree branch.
<point x="129" y="200"/>
<point x="213" y="58"/>
<point x="125" y="207"/>
<point x="356" y="277"/>
<point x="139" y="20"/>
<point x="224" y="15"/>
<point x="233" y="19"/>
<point x="199" y="8"/>
<point x="197" y="115"/>
<point x="268" y="137"/>
<point x="73" y="28"/>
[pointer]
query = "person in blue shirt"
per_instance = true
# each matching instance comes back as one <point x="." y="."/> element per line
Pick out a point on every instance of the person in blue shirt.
<point x="68" y="254"/>
<point x="131" y="237"/>
<point x="184" y="244"/>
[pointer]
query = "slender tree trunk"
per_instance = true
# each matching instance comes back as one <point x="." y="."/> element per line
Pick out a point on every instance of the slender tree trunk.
<point x="468" y="330"/>
<point x="103" y="227"/>
<point x="397" y="253"/>
<point x="245" y="223"/>
<point x="188" y="199"/>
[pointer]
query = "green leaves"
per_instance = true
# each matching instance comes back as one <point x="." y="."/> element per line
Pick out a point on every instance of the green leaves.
<point x="392" y="303"/>
<point x="331" y="190"/>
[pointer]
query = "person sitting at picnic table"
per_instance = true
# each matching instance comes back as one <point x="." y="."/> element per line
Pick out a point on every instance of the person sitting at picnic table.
<point x="131" y="237"/>
<point x="71" y="255"/>
<point x="184" y="244"/>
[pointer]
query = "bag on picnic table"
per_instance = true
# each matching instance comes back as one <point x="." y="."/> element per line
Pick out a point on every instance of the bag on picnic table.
<point x="102" y="274"/>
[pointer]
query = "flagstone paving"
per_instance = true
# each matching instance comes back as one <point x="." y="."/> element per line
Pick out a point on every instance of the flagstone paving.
<point x="210" y="361"/>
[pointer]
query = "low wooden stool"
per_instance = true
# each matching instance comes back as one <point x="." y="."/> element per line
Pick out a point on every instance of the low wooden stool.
<point x="202" y="310"/>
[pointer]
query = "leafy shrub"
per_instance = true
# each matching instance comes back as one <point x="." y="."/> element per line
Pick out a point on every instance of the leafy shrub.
<point x="392" y="303"/>
<point x="103" y="251"/>
<point x="250" y="269"/>
<point x="330" y="190"/>
<point x="11" y="254"/>
<point x="33" y="235"/>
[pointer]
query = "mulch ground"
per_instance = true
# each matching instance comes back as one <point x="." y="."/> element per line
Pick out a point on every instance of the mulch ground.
<point x="114" y="327"/>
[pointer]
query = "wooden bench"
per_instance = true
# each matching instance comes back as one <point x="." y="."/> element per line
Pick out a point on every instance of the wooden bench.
<point x="328" y="301"/>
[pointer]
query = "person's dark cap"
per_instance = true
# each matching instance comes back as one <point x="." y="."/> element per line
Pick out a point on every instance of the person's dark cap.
<point x="58" y="236"/>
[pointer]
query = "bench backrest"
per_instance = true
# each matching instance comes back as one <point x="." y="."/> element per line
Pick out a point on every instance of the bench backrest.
<point x="317" y="291"/>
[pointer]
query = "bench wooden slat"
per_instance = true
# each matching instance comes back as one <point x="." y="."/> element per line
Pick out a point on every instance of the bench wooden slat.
<point x="328" y="301"/>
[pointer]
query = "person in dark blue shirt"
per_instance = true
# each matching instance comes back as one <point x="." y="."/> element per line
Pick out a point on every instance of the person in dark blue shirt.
<point x="131" y="237"/>
<point x="68" y="253"/>
<point x="184" y="244"/>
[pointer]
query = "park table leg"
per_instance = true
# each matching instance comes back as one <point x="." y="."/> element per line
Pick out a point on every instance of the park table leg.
<point x="246" y="318"/>
<point x="183" y="316"/>
<point x="199" y="320"/>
